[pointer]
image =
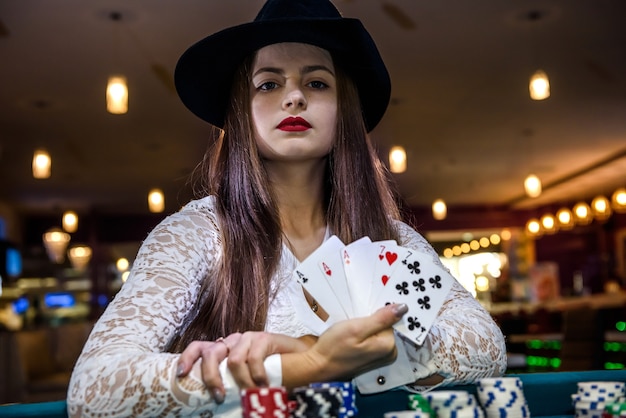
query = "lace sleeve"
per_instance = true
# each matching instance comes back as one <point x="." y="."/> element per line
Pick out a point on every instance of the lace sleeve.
<point x="464" y="344"/>
<point x="123" y="370"/>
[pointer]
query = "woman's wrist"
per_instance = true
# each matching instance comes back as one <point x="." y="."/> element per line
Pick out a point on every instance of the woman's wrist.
<point x="301" y="369"/>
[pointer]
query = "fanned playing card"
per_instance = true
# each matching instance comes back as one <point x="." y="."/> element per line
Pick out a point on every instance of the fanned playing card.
<point x="359" y="278"/>
<point x="322" y="275"/>
<point x="423" y="286"/>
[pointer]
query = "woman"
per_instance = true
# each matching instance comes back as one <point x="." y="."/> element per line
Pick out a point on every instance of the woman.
<point x="211" y="303"/>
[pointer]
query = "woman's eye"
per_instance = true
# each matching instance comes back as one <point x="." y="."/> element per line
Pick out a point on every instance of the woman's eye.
<point x="318" y="84"/>
<point x="268" y="85"/>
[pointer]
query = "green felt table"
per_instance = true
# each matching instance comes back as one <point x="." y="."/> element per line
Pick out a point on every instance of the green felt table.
<point x="547" y="394"/>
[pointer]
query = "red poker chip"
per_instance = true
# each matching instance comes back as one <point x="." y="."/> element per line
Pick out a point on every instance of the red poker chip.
<point x="268" y="402"/>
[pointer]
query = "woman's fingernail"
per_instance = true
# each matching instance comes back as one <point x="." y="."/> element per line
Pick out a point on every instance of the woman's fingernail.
<point x="218" y="396"/>
<point x="180" y="370"/>
<point x="400" y="309"/>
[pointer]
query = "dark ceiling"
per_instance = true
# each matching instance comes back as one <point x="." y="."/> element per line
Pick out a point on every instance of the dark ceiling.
<point x="460" y="103"/>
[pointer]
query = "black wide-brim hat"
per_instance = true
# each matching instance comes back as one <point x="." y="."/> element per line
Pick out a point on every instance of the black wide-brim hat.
<point x="204" y="73"/>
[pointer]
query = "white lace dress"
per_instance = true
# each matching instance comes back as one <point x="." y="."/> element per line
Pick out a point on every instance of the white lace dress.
<point x="123" y="370"/>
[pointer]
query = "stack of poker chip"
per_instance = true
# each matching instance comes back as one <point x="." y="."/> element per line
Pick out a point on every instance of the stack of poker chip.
<point x="348" y="407"/>
<point x="418" y="402"/>
<point x="419" y="407"/>
<point x="264" y="402"/>
<point x="318" y="402"/>
<point x="503" y="397"/>
<point x="592" y="398"/>
<point x="615" y="409"/>
<point x="454" y="404"/>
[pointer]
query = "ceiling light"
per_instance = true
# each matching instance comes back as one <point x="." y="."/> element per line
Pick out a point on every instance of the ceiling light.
<point x="122" y="264"/>
<point x="156" y="201"/>
<point x="539" y="86"/>
<point x="70" y="221"/>
<point x="582" y="213"/>
<point x="117" y="95"/>
<point x="565" y="218"/>
<point x="41" y="164"/>
<point x="548" y="223"/>
<point x="601" y="208"/>
<point x="397" y="160"/>
<point x="79" y="256"/>
<point x="533" y="227"/>
<point x="618" y="200"/>
<point x="532" y="185"/>
<point x="440" y="210"/>
<point x="56" y="241"/>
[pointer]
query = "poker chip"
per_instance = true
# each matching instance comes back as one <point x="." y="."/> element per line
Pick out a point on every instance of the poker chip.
<point x="503" y="397"/>
<point x="448" y="404"/>
<point x="348" y="407"/>
<point x="318" y="402"/>
<point x="417" y="402"/>
<point x="264" y="402"/>
<point x="615" y="409"/>
<point x="599" y="400"/>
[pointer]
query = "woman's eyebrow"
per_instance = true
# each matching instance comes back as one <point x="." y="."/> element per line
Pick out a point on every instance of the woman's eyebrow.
<point x="312" y="68"/>
<point x="305" y="70"/>
<point x="268" y="70"/>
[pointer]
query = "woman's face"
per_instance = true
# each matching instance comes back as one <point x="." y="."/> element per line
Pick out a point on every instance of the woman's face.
<point x="294" y="102"/>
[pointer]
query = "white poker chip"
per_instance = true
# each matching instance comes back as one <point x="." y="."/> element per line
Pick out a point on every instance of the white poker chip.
<point x="591" y="389"/>
<point x="450" y="399"/>
<point x="591" y="398"/>
<point x="469" y="412"/>
<point x="503" y="397"/>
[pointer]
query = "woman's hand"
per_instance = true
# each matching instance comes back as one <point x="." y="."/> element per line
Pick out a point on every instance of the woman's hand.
<point x="212" y="354"/>
<point x="346" y="349"/>
<point x="245" y="352"/>
<point x="246" y="358"/>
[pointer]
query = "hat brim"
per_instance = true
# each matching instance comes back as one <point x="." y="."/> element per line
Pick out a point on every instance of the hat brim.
<point x="204" y="73"/>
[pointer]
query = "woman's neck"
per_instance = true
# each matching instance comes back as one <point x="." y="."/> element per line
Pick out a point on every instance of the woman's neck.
<point x="299" y="191"/>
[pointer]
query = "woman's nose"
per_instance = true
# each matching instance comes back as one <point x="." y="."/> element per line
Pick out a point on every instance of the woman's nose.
<point x="294" y="98"/>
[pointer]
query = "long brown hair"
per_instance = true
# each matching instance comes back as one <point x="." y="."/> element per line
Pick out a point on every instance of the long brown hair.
<point x="358" y="201"/>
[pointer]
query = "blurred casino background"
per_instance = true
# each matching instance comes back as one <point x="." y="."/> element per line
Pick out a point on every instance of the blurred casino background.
<point x="524" y="197"/>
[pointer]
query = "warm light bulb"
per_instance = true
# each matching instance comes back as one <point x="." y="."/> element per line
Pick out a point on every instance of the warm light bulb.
<point x="494" y="239"/>
<point x="117" y="95"/>
<point x="539" y="86"/>
<point x="532" y="185"/>
<point x="122" y="264"/>
<point x="156" y="201"/>
<point x="482" y="283"/>
<point x="601" y="208"/>
<point x="565" y="218"/>
<point x="533" y="227"/>
<point x="70" y="221"/>
<point x="56" y="241"/>
<point x="548" y="223"/>
<point x="440" y="210"/>
<point x="42" y="164"/>
<point x="80" y="256"/>
<point x="618" y="200"/>
<point x="397" y="160"/>
<point x="582" y="213"/>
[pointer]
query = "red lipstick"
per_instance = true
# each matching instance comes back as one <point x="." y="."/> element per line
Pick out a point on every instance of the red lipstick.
<point x="294" y="124"/>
